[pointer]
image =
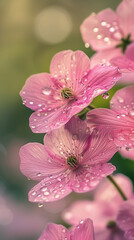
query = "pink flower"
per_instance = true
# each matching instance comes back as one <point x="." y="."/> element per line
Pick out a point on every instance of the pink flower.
<point x="129" y="153"/>
<point x="103" y="210"/>
<point x="84" y="231"/>
<point x="71" y="159"/>
<point x="120" y="118"/>
<point x="110" y="32"/>
<point x="70" y="87"/>
<point x="125" y="62"/>
<point x="125" y="219"/>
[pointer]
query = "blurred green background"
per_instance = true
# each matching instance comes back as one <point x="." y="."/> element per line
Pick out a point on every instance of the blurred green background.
<point x="31" y="32"/>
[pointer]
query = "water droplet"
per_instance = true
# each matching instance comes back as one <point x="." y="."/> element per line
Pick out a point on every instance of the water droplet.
<point x="31" y="103"/>
<point x="106" y="39"/>
<point x="33" y="193"/>
<point x="38" y="174"/>
<point x="131" y="112"/>
<point x="96" y="29"/>
<point x="57" y="196"/>
<point x="46" y="193"/>
<point x="87" y="45"/>
<point x="103" y="23"/>
<point x="40" y="205"/>
<point x="118" y="116"/>
<point x="99" y="36"/>
<point x="128" y="148"/>
<point x="105" y="95"/>
<point x="112" y="29"/>
<point x="120" y="100"/>
<point x="46" y="91"/>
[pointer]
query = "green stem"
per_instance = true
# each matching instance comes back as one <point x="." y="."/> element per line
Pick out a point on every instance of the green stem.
<point x="111" y="179"/>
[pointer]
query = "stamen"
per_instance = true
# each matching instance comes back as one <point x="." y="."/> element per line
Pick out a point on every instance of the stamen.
<point x="72" y="161"/>
<point x="66" y="93"/>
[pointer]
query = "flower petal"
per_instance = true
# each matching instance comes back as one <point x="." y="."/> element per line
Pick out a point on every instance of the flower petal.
<point x="130" y="234"/>
<point x="129" y="153"/>
<point x="84" y="231"/>
<point x="99" y="30"/>
<point x="70" y="139"/>
<point x="125" y="12"/>
<point x="87" y="177"/>
<point x="39" y="93"/>
<point x="41" y="122"/>
<point x="124" y="63"/>
<point x="108" y="118"/>
<point x="36" y="163"/>
<point x="69" y="67"/>
<point x="129" y="53"/>
<point x="125" y="218"/>
<point x="52" y="189"/>
<point x="55" y="232"/>
<point x="104" y="56"/>
<point x="106" y="192"/>
<point x="123" y="101"/>
<point x="101" y="149"/>
<point x="99" y="212"/>
<point x="102" y="78"/>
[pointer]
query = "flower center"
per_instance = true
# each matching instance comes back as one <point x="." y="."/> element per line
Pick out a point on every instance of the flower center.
<point x="124" y="43"/>
<point x="72" y="161"/>
<point x="66" y="93"/>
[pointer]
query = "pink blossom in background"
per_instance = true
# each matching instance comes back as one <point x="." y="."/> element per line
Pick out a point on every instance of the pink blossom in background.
<point x="109" y="32"/>
<point x="125" y="62"/>
<point x="129" y="153"/>
<point x="120" y="118"/>
<point x="71" y="159"/>
<point x="83" y="231"/>
<point x="70" y="87"/>
<point x="103" y="209"/>
<point x="125" y="218"/>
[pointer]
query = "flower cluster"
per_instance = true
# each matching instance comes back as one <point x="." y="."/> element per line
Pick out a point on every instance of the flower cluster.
<point x="76" y="153"/>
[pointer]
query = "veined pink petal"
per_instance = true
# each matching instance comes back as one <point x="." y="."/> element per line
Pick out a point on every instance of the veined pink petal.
<point x="129" y="53"/>
<point x="41" y="122"/>
<point x="102" y="148"/>
<point x="125" y="15"/>
<point x="125" y="218"/>
<point x="70" y="67"/>
<point x="87" y="177"/>
<point x="99" y="30"/>
<point x="129" y="153"/>
<point x="36" y="163"/>
<point x="123" y="101"/>
<point x="106" y="192"/>
<point x="124" y="63"/>
<point x="104" y="56"/>
<point x="39" y="93"/>
<point x="84" y="231"/>
<point x="103" y="78"/>
<point x="55" y="232"/>
<point x="51" y="189"/>
<point x="69" y="140"/>
<point x="109" y="118"/>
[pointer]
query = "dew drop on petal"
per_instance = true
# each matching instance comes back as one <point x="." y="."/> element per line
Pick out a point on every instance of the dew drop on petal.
<point x="46" y="91"/>
<point x="131" y="112"/>
<point x="40" y="205"/>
